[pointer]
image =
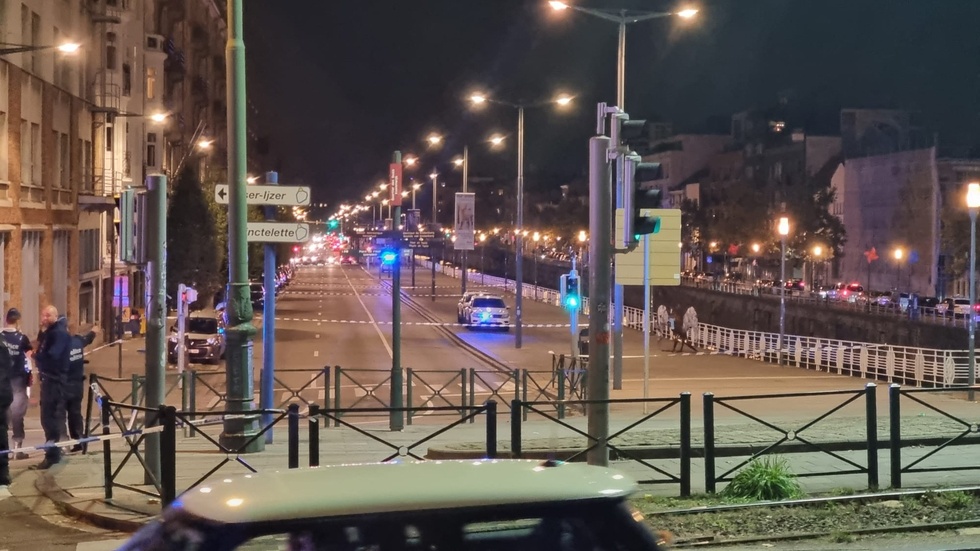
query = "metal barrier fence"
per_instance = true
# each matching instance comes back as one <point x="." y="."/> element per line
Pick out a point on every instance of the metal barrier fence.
<point x="788" y="437"/>
<point x="967" y="429"/>
<point x="682" y="403"/>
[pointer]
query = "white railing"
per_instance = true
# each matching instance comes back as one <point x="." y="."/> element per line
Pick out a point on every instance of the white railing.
<point x="905" y="365"/>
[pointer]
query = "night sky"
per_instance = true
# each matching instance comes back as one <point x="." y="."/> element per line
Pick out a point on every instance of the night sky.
<point x="340" y="84"/>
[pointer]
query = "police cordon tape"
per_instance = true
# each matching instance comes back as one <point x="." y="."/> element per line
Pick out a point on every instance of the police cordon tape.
<point x="427" y="323"/>
<point x="81" y="441"/>
<point x="336" y="294"/>
<point x="754" y="352"/>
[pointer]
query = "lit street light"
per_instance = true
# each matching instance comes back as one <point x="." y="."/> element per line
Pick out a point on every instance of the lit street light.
<point x="783" y="229"/>
<point x="415" y="187"/>
<point x="158" y="117"/>
<point x="973" y="203"/>
<point x="478" y="99"/>
<point x="817" y="253"/>
<point x="899" y="255"/>
<point x="7" y="48"/>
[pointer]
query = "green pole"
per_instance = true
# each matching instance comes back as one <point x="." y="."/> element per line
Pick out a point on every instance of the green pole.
<point x="396" y="420"/>
<point x="156" y="317"/>
<point x="240" y="331"/>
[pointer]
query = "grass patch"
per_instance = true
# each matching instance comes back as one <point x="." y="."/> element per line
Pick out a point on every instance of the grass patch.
<point x="766" y="479"/>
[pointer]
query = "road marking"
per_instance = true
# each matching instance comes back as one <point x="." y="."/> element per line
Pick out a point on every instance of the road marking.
<point x="377" y="328"/>
<point x="104" y="545"/>
<point x="317" y="336"/>
<point x="316" y="353"/>
<point x="727" y="378"/>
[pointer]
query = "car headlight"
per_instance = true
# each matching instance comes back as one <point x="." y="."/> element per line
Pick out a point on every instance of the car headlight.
<point x="213" y="340"/>
<point x="173" y="339"/>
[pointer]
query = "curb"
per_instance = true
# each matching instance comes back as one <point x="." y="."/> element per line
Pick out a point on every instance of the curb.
<point x="662" y="452"/>
<point x="81" y="508"/>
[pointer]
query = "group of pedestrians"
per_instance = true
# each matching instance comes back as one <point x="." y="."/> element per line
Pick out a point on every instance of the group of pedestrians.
<point x="59" y="358"/>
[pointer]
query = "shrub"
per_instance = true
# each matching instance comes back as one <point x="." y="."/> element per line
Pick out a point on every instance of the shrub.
<point x="768" y="478"/>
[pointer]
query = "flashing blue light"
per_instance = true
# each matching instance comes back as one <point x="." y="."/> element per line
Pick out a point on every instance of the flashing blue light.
<point x="388" y="257"/>
<point x="484" y="316"/>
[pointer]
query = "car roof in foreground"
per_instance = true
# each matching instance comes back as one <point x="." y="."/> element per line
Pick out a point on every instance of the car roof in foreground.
<point x="344" y="490"/>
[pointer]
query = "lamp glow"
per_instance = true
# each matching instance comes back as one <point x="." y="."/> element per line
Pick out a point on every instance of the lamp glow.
<point x="558" y="6"/>
<point x="973" y="195"/>
<point x="783" y="225"/>
<point x="688" y="13"/>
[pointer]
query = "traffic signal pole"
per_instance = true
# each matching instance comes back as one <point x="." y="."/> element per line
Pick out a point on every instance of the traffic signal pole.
<point x="268" y="376"/>
<point x="600" y="280"/>
<point x="156" y="315"/>
<point x="396" y="419"/>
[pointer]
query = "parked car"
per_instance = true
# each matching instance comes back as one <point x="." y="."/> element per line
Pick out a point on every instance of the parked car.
<point x="958" y="307"/>
<point x="204" y="337"/>
<point x="454" y="505"/>
<point x="487" y="311"/>
<point x="257" y="296"/>
<point x="464" y="302"/>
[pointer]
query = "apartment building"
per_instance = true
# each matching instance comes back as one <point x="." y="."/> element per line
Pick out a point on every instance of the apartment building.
<point x="143" y="89"/>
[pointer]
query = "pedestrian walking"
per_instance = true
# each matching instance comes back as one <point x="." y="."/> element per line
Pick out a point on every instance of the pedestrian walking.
<point x="52" y="357"/>
<point x="21" y="378"/>
<point x="75" y="387"/>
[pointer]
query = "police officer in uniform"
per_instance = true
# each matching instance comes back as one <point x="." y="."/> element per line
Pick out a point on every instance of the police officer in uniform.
<point x="20" y="376"/>
<point x="52" y="363"/>
<point x="6" y="397"/>
<point x="75" y="386"/>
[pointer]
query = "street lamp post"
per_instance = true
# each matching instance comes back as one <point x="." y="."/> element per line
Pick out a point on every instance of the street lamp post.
<point x="972" y="203"/>
<point x="519" y="237"/>
<point x="899" y="255"/>
<point x="622" y="18"/>
<point x="483" y="250"/>
<point x="783" y="232"/>
<point x="415" y="187"/>
<point x="817" y="253"/>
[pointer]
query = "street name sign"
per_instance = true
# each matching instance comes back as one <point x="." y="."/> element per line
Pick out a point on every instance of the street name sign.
<point x="278" y="232"/>
<point x="287" y="196"/>
<point x="664" y="251"/>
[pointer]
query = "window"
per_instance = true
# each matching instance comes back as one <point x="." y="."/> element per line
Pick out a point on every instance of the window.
<point x="127" y="76"/>
<point x="151" y="149"/>
<point x="65" y="162"/>
<point x="108" y="138"/>
<point x="151" y="82"/>
<point x="35" y="41"/>
<point x="110" y="51"/>
<point x="86" y="164"/>
<point x="25" y="151"/>
<point x="35" y="154"/>
<point x="4" y="158"/>
<point x="88" y="244"/>
<point x="25" y="24"/>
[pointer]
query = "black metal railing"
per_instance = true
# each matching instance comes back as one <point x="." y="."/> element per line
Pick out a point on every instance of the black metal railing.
<point x="789" y="436"/>
<point x="966" y="430"/>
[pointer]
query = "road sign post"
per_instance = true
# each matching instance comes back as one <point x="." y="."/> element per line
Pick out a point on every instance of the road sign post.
<point x="267" y="377"/>
<point x="396" y="420"/>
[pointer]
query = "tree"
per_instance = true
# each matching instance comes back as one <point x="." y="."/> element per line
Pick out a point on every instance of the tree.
<point x="193" y="251"/>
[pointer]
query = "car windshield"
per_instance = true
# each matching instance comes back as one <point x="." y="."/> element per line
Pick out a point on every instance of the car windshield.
<point x="206" y="326"/>
<point x="488" y="302"/>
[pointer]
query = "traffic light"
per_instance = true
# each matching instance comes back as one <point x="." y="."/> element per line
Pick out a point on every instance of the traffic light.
<point x="635" y="199"/>
<point x="570" y="297"/>
<point x="333" y="224"/>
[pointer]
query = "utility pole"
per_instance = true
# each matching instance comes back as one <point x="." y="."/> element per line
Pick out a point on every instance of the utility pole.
<point x="396" y="420"/>
<point x="600" y="280"/>
<point x="156" y="314"/>
<point x="238" y="430"/>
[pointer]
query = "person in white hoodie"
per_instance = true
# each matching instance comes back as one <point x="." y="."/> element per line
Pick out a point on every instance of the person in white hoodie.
<point x="21" y="378"/>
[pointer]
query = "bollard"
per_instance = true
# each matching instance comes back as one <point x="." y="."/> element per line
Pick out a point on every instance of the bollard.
<point x="106" y="450"/>
<point x="192" y="399"/>
<point x="895" y="433"/>
<point x="871" y="406"/>
<point x="561" y="393"/>
<point x="685" y="451"/>
<point x="515" y="429"/>
<point x="408" y="397"/>
<point x="709" y="442"/>
<point x="491" y="411"/>
<point x="168" y="455"/>
<point x="314" y="435"/>
<point x="293" y="420"/>
<point x="336" y="396"/>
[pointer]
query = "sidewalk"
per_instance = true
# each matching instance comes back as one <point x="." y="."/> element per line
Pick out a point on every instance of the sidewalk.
<point x="76" y="485"/>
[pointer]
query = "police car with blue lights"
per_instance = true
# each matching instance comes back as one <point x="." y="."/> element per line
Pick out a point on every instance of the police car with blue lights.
<point x="487" y="311"/>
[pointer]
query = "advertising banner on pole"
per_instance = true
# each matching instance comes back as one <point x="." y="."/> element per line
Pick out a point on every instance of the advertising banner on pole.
<point x="395" y="181"/>
<point x="465" y="221"/>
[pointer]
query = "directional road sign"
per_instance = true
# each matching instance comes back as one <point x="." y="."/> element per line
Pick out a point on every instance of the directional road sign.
<point x="289" y="196"/>
<point x="278" y="232"/>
